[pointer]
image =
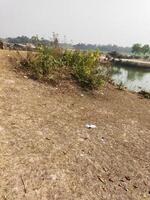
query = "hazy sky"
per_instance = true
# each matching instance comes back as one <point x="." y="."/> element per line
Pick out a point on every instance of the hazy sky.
<point x="121" y="22"/>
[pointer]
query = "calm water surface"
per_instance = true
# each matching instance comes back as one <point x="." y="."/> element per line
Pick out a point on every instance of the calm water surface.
<point x="135" y="79"/>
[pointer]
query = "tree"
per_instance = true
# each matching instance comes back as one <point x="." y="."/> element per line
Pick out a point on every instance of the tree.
<point x="137" y="48"/>
<point x="55" y="40"/>
<point x="114" y="54"/>
<point x="104" y="48"/>
<point x="19" y="40"/>
<point x="145" y="49"/>
<point x="35" y="40"/>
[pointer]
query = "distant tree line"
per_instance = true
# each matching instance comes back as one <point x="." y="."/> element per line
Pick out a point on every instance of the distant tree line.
<point x="24" y="40"/>
<point x="136" y="49"/>
<point x="104" y="48"/>
<point x="54" y="41"/>
<point x="141" y="49"/>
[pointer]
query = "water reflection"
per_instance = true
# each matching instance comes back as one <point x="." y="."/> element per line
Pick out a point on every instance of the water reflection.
<point x="134" y="79"/>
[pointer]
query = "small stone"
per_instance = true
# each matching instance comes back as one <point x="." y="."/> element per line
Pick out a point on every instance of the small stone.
<point x="127" y="178"/>
<point x="111" y="180"/>
<point x="135" y="186"/>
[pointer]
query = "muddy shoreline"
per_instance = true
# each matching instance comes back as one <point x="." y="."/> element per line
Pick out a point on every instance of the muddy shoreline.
<point x="132" y="63"/>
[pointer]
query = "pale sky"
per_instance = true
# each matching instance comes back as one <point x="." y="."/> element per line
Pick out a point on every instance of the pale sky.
<point x="121" y="22"/>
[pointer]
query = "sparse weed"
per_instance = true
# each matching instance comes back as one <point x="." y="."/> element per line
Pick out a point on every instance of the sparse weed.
<point x="145" y="94"/>
<point x="121" y="86"/>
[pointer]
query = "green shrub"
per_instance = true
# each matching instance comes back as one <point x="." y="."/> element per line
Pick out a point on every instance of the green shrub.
<point x="56" y="64"/>
<point x="45" y="64"/>
<point x="86" y="68"/>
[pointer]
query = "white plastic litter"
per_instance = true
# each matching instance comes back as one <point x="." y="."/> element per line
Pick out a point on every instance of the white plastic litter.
<point x="90" y="126"/>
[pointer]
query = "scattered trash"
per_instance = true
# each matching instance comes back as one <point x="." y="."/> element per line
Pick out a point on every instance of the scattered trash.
<point x="26" y="77"/>
<point x="103" y="140"/>
<point x="82" y="95"/>
<point x="90" y="126"/>
<point x="82" y="155"/>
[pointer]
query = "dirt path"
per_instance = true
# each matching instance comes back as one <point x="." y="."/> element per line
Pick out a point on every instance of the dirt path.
<point x="46" y="153"/>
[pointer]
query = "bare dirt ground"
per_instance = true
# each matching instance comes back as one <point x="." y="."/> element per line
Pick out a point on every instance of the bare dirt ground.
<point x="46" y="153"/>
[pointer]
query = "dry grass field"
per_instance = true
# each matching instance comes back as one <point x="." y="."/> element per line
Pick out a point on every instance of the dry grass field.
<point x="47" y="153"/>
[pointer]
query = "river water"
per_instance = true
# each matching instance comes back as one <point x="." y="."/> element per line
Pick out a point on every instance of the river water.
<point x="135" y="79"/>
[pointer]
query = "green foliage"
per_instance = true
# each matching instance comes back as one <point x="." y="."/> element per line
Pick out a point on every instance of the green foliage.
<point x="55" y="64"/>
<point x="20" y="39"/>
<point x="146" y="49"/>
<point x="104" y="48"/>
<point x="55" y="41"/>
<point x="24" y="40"/>
<point x="84" y="67"/>
<point x="139" y="49"/>
<point x="115" y="54"/>
<point x="44" y="64"/>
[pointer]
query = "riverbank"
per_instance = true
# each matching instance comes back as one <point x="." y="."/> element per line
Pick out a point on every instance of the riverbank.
<point x="133" y="63"/>
<point x="46" y="152"/>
